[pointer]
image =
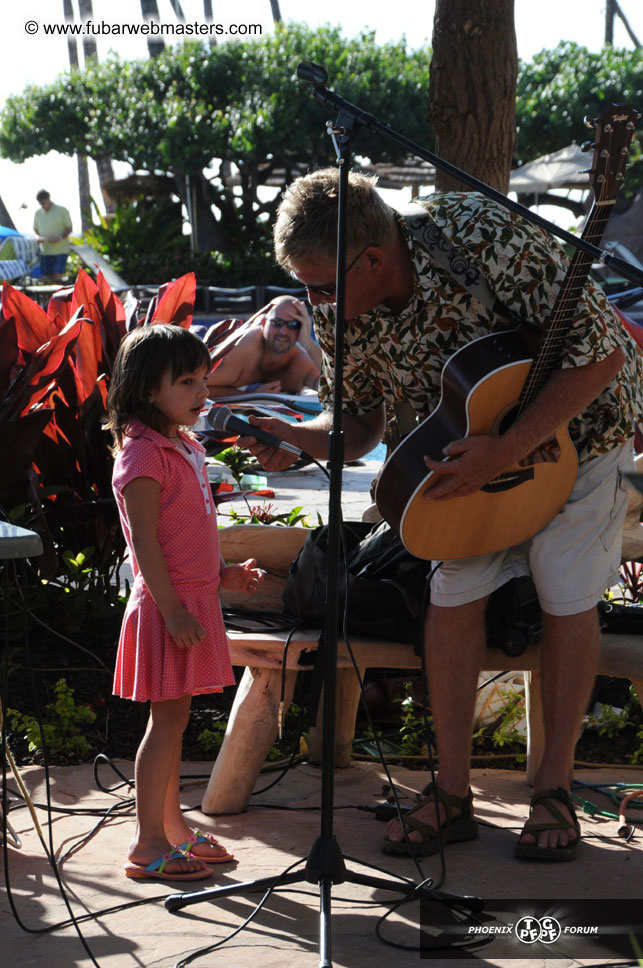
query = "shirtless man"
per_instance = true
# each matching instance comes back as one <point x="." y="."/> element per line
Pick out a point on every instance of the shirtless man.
<point x="276" y="354"/>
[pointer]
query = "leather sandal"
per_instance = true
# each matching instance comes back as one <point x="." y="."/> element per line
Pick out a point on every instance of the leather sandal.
<point x="559" y="822"/>
<point x="452" y="829"/>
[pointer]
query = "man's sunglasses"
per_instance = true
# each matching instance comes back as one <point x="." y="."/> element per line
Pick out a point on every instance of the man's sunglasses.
<point x="288" y="323"/>
<point x="328" y="289"/>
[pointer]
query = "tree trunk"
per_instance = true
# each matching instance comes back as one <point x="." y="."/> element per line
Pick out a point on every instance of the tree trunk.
<point x="178" y="10"/>
<point x="150" y="11"/>
<point x="472" y="90"/>
<point x="84" y="196"/>
<point x="208" y="16"/>
<point x="276" y="12"/>
<point x="208" y="235"/>
<point x="610" y="13"/>
<point x="104" y="165"/>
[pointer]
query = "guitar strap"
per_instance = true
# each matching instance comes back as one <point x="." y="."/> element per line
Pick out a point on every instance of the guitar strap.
<point x="456" y="261"/>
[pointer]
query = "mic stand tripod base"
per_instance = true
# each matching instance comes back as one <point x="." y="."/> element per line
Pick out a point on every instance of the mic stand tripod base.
<point x="325" y="864"/>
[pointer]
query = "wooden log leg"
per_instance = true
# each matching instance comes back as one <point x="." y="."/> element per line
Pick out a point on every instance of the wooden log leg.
<point x="348" y="696"/>
<point x="637" y="685"/>
<point x="251" y="731"/>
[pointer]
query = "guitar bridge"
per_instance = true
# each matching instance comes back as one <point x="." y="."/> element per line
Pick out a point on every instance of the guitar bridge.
<point x="504" y="482"/>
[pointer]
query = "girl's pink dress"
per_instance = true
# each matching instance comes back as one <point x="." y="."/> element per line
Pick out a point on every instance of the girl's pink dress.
<point x="149" y="665"/>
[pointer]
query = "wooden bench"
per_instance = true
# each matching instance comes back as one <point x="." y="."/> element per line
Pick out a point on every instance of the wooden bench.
<point x="253" y="722"/>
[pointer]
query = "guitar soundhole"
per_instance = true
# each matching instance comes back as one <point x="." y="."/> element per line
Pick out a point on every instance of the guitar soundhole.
<point x="504" y="482"/>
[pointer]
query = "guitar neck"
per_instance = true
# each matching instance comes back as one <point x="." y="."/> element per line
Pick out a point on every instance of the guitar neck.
<point x="565" y="305"/>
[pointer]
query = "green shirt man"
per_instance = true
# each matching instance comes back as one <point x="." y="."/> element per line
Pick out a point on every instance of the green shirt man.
<point x="52" y="226"/>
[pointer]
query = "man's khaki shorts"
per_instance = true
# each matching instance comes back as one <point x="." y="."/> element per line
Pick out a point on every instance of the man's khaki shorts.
<point x="572" y="560"/>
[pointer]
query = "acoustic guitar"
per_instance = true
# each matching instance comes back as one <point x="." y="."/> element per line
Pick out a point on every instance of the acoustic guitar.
<point x="484" y="388"/>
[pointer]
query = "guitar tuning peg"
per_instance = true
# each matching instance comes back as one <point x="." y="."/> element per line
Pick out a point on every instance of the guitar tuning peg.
<point x="589" y="122"/>
<point x="587" y="146"/>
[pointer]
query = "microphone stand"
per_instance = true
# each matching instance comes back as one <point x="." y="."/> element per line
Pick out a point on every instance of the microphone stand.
<point x="325" y="863"/>
<point x="318" y="77"/>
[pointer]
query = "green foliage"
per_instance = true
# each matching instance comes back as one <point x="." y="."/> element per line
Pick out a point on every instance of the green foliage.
<point x="414" y="724"/>
<point x="637" y="755"/>
<point x="62" y="725"/>
<point x="235" y="459"/>
<point x="512" y="712"/>
<point x="562" y="86"/>
<point x="211" y="738"/>
<point x="143" y="241"/>
<point x="609" y="722"/>
<point x="264" y="514"/>
<point x="236" y="109"/>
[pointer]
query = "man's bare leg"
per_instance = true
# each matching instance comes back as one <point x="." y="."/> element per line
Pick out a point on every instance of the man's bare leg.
<point x="570" y="653"/>
<point x="455" y="644"/>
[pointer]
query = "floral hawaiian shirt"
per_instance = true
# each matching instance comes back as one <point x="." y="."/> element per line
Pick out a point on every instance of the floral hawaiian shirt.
<point x="394" y="356"/>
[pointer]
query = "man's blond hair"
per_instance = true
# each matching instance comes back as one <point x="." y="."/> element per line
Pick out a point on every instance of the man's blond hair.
<point x="307" y="217"/>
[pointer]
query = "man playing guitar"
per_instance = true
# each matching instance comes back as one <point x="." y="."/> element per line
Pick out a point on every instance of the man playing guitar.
<point x="406" y="316"/>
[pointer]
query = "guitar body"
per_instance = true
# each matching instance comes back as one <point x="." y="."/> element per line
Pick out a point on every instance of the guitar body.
<point x="481" y="384"/>
<point x="484" y="387"/>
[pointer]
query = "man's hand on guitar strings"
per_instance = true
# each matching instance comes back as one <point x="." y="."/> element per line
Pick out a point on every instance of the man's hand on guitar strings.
<point x="471" y="463"/>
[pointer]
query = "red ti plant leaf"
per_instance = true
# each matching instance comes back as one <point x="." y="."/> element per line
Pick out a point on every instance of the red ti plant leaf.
<point x="90" y="349"/>
<point x="33" y="326"/>
<point x="19" y="438"/>
<point x="176" y="305"/>
<point x="8" y="354"/>
<point x="59" y="306"/>
<point x="86" y="357"/>
<point x="37" y="376"/>
<point x="113" y="320"/>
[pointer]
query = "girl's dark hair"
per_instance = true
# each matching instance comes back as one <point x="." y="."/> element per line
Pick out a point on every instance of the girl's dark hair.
<point x="143" y="357"/>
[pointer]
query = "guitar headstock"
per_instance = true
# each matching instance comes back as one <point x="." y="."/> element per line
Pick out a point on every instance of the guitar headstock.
<point x="614" y="132"/>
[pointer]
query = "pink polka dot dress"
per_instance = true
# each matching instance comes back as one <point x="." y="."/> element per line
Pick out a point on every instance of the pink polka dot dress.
<point x="149" y="665"/>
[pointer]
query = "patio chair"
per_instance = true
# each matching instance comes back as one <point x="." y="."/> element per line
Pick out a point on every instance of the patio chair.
<point x="19" y="258"/>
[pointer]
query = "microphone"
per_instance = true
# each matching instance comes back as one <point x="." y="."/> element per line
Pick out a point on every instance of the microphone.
<point x="220" y="418"/>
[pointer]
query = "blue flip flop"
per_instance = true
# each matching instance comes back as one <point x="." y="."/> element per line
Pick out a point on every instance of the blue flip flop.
<point x="156" y="870"/>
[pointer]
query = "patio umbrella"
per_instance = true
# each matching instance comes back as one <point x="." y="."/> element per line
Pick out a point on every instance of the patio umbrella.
<point x="560" y="169"/>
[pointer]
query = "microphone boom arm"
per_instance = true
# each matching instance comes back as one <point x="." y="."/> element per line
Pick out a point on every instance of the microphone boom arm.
<point x="307" y="71"/>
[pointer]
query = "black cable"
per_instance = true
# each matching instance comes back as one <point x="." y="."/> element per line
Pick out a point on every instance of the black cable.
<point x="51" y="850"/>
<point x="253" y="914"/>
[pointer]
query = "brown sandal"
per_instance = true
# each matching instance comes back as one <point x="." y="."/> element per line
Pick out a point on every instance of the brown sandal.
<point x="533" y="851"/>
<point x="452" y="829"/>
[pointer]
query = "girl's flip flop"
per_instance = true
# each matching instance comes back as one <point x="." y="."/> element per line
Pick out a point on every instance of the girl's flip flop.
<point x="156" y="870"/>
<point x="199" y="837"/>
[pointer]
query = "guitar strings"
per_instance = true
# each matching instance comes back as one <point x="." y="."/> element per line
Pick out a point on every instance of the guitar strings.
<point x="571" y="290"/>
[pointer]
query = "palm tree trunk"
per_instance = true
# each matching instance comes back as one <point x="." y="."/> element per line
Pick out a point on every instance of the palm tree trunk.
<point x="103" y="165"/>
<point x="474" y="122"/>
<point x="150" y="11"/>
<point x="84" y="196"/>
<point x="208" y="16"/>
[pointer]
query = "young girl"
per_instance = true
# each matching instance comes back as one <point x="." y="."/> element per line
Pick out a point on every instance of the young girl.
<point x="173" y="642"/>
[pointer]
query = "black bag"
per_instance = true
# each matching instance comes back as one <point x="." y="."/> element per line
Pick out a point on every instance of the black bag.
<point x="386" y="582"/>
<point x="620" y="619"/>
<point x="387" y="591"/>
